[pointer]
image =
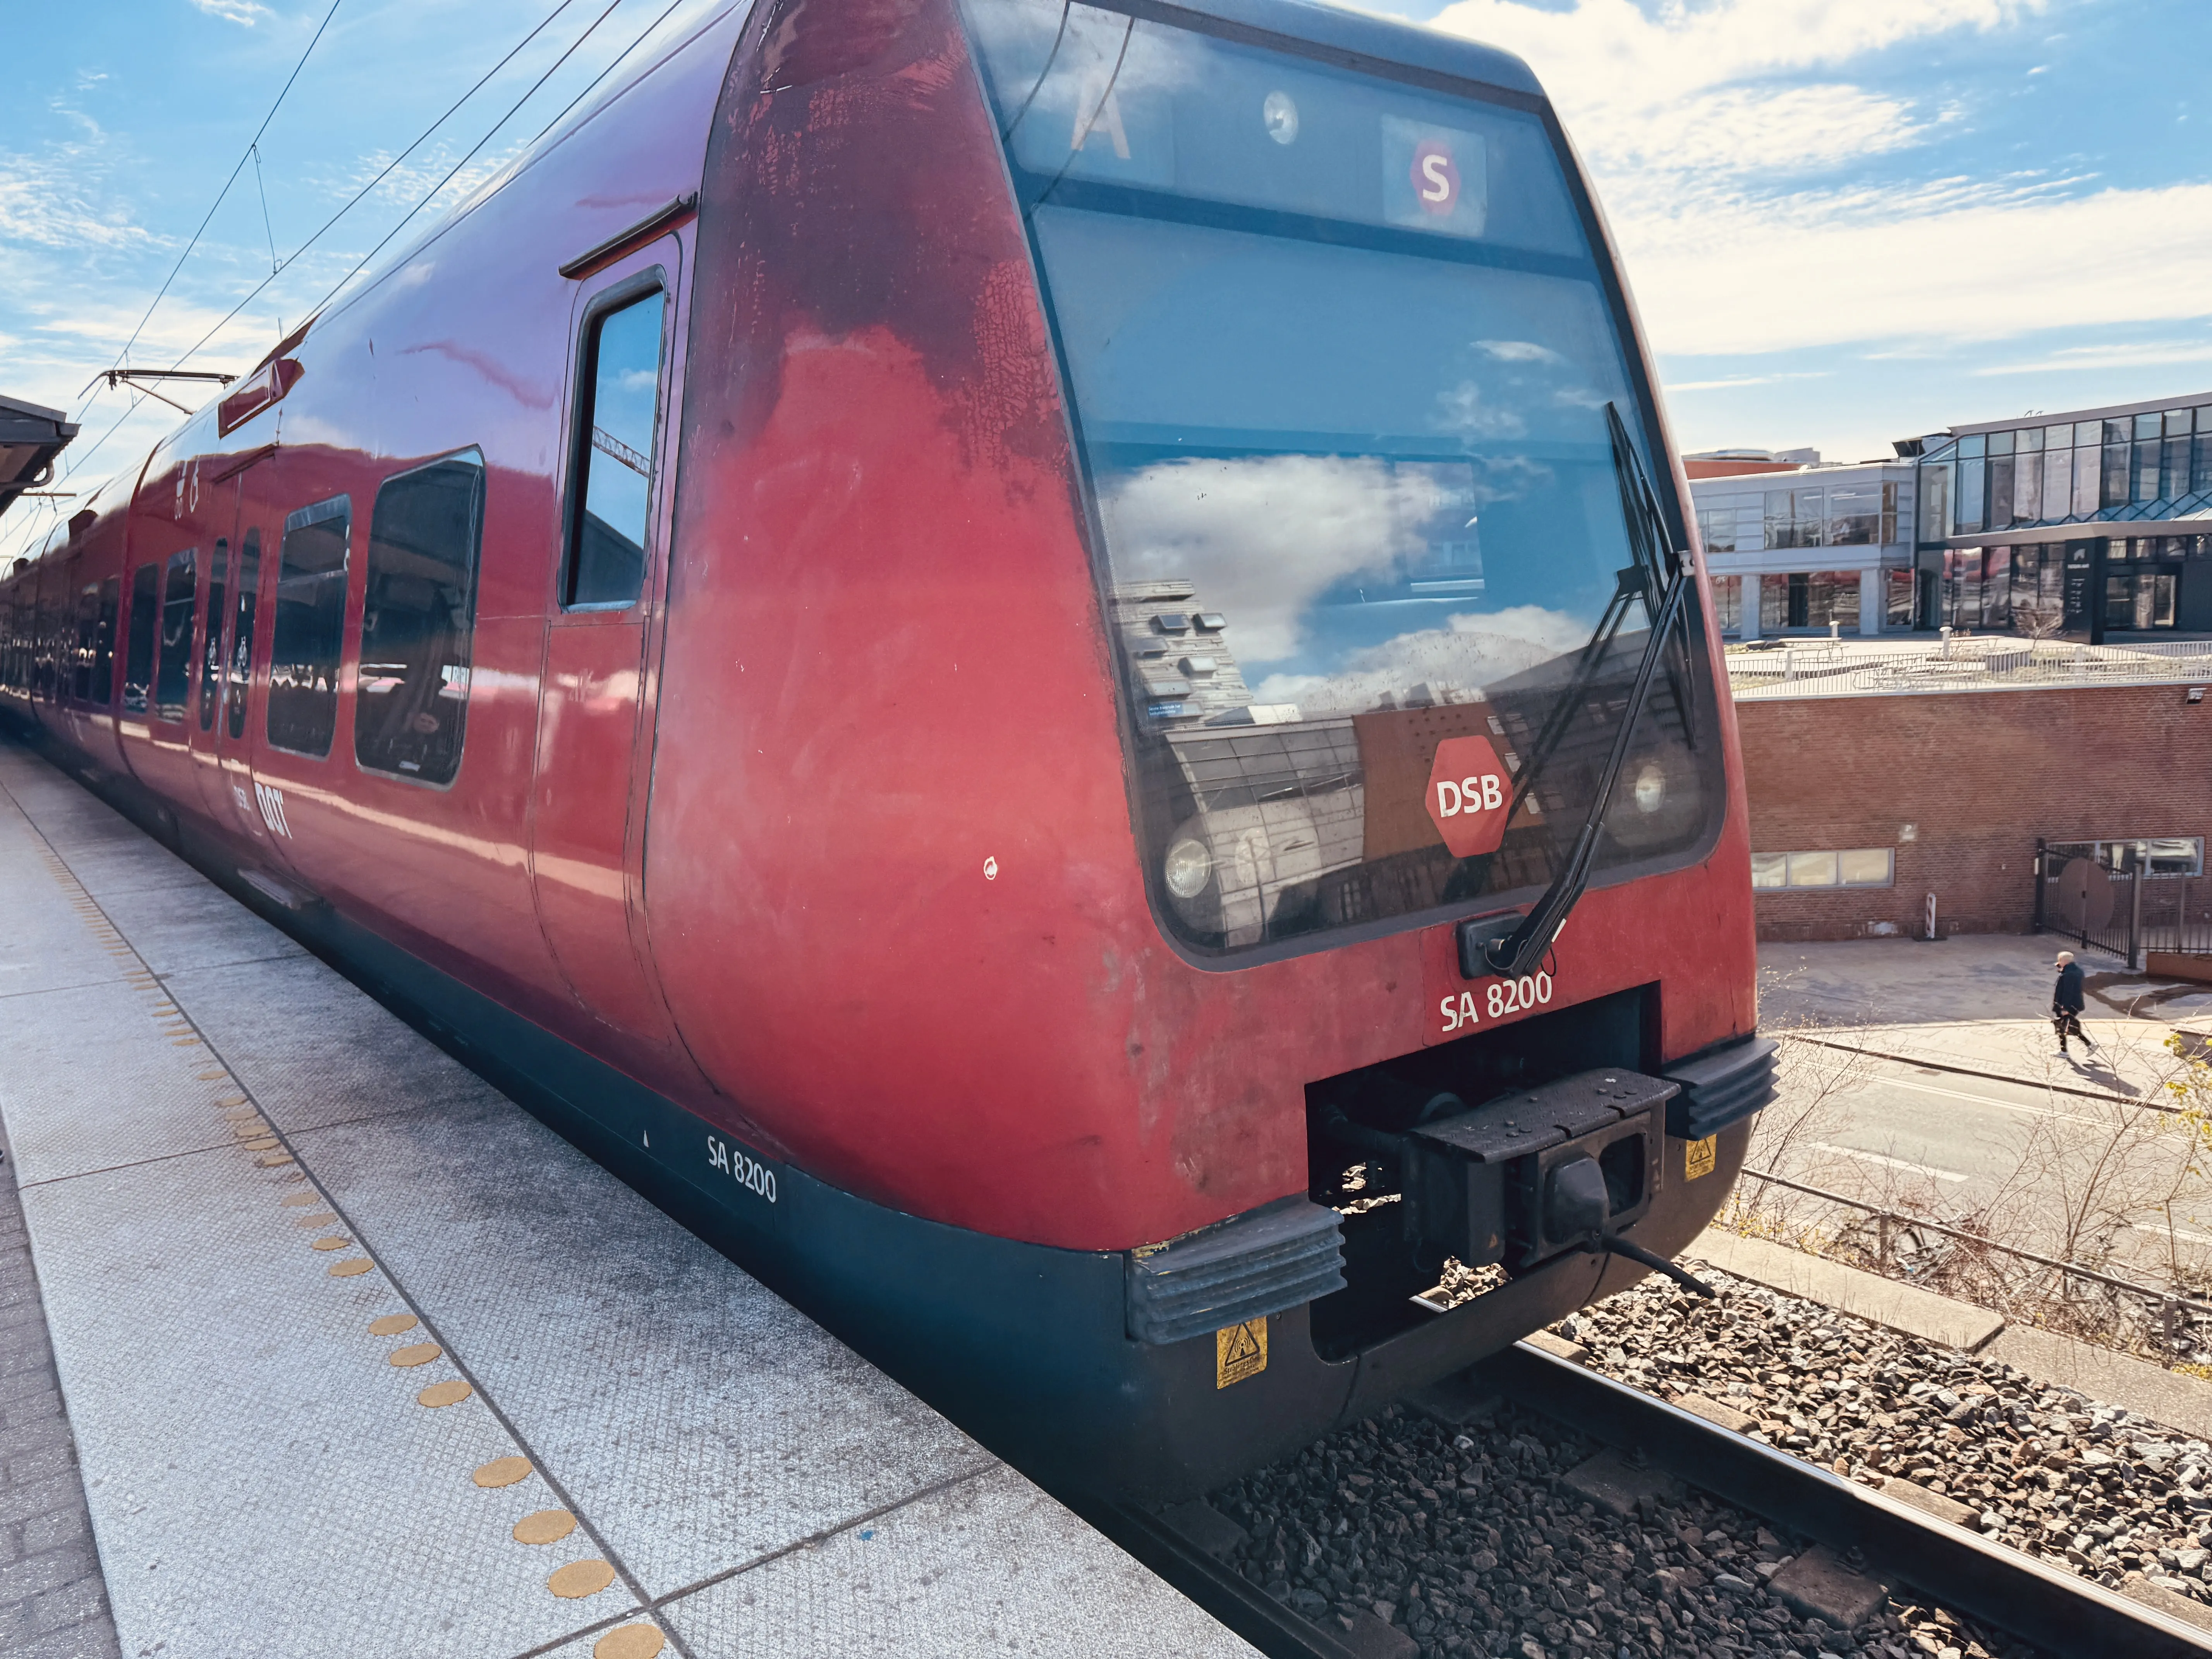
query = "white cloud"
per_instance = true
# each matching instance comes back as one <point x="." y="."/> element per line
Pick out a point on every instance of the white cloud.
<point x="1732" y="382"/>
<point x="1706" y="128"/>
<point x="246" y="12"/>
<point x="43" y="202"/>
<point x="2146" y="353"/>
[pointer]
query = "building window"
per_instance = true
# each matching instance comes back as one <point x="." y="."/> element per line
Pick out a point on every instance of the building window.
<point x="1897" y="599"/>
<point x="1865" y="866"/>
<point x="1861" y="515"/>
<point x="1809" y="598"/>
<point x="1935" y="502"/>
<point x="417" y="618"/>
<point x="2167" y="855"/>
<point x="310" y="628"/>
<point x="1728" y="604"/>
<point x="1795" y="517"/>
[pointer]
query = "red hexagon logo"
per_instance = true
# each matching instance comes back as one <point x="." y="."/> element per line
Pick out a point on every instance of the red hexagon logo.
<point x="1470" y="796"/>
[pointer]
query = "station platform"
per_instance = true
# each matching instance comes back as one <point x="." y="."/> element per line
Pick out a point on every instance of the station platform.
<point x="361" y="1359"/>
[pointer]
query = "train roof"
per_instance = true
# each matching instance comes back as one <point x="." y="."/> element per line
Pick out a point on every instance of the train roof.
<point x="1364" y="40"/>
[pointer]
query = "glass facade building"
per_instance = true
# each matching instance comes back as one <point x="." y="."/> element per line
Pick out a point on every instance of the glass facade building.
<point x="2075" y="526"/>
<point x="1815" y="550"/>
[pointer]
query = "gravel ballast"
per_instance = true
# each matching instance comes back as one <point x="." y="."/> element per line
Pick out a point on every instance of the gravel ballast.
<point x="2098" y="1490"/>
<point x="1466" y="1541"/>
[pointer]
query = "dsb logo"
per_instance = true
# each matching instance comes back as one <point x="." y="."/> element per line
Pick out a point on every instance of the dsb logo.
<point x="1468" y="797"/>
<point x="1481" y="794"/>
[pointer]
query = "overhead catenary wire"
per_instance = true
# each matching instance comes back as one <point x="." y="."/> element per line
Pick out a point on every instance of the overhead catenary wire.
<point x="122" y="357"/>
<point x="643" y="35"/>
<point x="76" y="461"/>
<point x="355" y="200"/>
<point x="453" y="173"/>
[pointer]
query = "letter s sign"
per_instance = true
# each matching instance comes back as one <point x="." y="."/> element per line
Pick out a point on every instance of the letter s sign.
<point x="1436" y="180"/>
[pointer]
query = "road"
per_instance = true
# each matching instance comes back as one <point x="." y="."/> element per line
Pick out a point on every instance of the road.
<point x="2020" y="1156"/>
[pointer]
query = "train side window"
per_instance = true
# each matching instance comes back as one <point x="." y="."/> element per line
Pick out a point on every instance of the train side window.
<point x="610" y="493"/>
<point x="88" y="632"/>
<point x="303" y="654"/>
<point x="103" y="641"/>
<point x="211" y="656"/>
<point x="139" y="663"/>
<point x="239" y="674"/>
<point x="413" y="689"/>
<point x="172" y="672"/>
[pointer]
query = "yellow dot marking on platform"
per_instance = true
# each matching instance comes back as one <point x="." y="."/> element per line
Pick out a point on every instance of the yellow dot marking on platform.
<point x="392" y="1324"/>
<point x="450" y="1392"/>
<point x="300" y="1198"/>
<point x="546" y="1527"/>
<point x="168" y="1008"/>
<point x="630" y="1641"/>
<point x="347" y="1269"/>
<point x="502" y="1472"/>
<point x="273" y="1160"/>
<point x="415" y="1353"/>
<point x="325" y="1220"/>
<point x="336" y="1242"/>
<point x="228" y="1100"/>
<point x="580" y="1578"/>
<point x="262" y="1144"/>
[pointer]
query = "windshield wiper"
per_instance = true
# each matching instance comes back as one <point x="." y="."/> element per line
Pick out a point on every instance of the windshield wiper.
<point x="1659" y="577"/>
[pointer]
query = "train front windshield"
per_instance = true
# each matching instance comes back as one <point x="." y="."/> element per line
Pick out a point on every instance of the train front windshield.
<point x="1339" y="353"/>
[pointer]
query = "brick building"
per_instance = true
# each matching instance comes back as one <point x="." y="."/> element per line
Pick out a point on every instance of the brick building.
<point x="1861" y="806"/>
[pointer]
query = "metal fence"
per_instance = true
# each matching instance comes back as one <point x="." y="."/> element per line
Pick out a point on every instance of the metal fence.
<point x="2176" y="916"/>
<point x="1880" y="668"/>
<point x="2077" y="894"/>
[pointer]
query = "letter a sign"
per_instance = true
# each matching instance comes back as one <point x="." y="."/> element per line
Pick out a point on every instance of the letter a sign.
<point x="1470" y="796"/>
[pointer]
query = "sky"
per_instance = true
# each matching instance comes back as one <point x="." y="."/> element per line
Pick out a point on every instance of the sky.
<point x="1843" y="223"/>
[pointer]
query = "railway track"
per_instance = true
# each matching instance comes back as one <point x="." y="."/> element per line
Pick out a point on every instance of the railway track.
<point x="1866" y="1544"/>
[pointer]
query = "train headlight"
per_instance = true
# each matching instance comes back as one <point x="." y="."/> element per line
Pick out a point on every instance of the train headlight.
<point x="1650" y="789"/>
<point x="1189" y="867"/>
<point x="1280" y="115"/>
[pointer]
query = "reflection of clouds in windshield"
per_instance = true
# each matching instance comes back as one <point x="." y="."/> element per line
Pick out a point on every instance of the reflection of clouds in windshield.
<point x="1518" y="351"/>
<point x="1461" y="409"/>
<point x="1528" y="377"/>
<point x="1263" y="537"/>
<point x="1470" y="651"/>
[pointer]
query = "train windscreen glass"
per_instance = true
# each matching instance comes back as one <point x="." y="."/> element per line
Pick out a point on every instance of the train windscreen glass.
<point x="1339" y="353"/>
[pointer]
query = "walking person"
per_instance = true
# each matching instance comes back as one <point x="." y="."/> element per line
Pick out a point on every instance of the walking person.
<point x="2066" y="1001"/>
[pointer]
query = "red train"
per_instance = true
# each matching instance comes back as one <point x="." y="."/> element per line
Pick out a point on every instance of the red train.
<point x="985" y="643"/>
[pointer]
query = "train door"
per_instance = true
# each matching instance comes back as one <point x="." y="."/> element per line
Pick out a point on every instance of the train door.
<point x="216" y="730"/>
<point x="595" y="708"/>
<point x="202" y="730"/>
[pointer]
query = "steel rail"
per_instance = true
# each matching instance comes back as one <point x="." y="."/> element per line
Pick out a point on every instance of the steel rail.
<point x="2059" y="1613"/>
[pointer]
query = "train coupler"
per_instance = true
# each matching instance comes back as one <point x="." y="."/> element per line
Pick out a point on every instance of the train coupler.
<point x="1537" y="1172"/>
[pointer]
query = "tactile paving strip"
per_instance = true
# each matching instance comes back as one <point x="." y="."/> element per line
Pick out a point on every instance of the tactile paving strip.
<point x="365" y="1360"/>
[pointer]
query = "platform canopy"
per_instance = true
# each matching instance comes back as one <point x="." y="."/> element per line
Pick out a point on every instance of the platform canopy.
<point x="31" y="435"/>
